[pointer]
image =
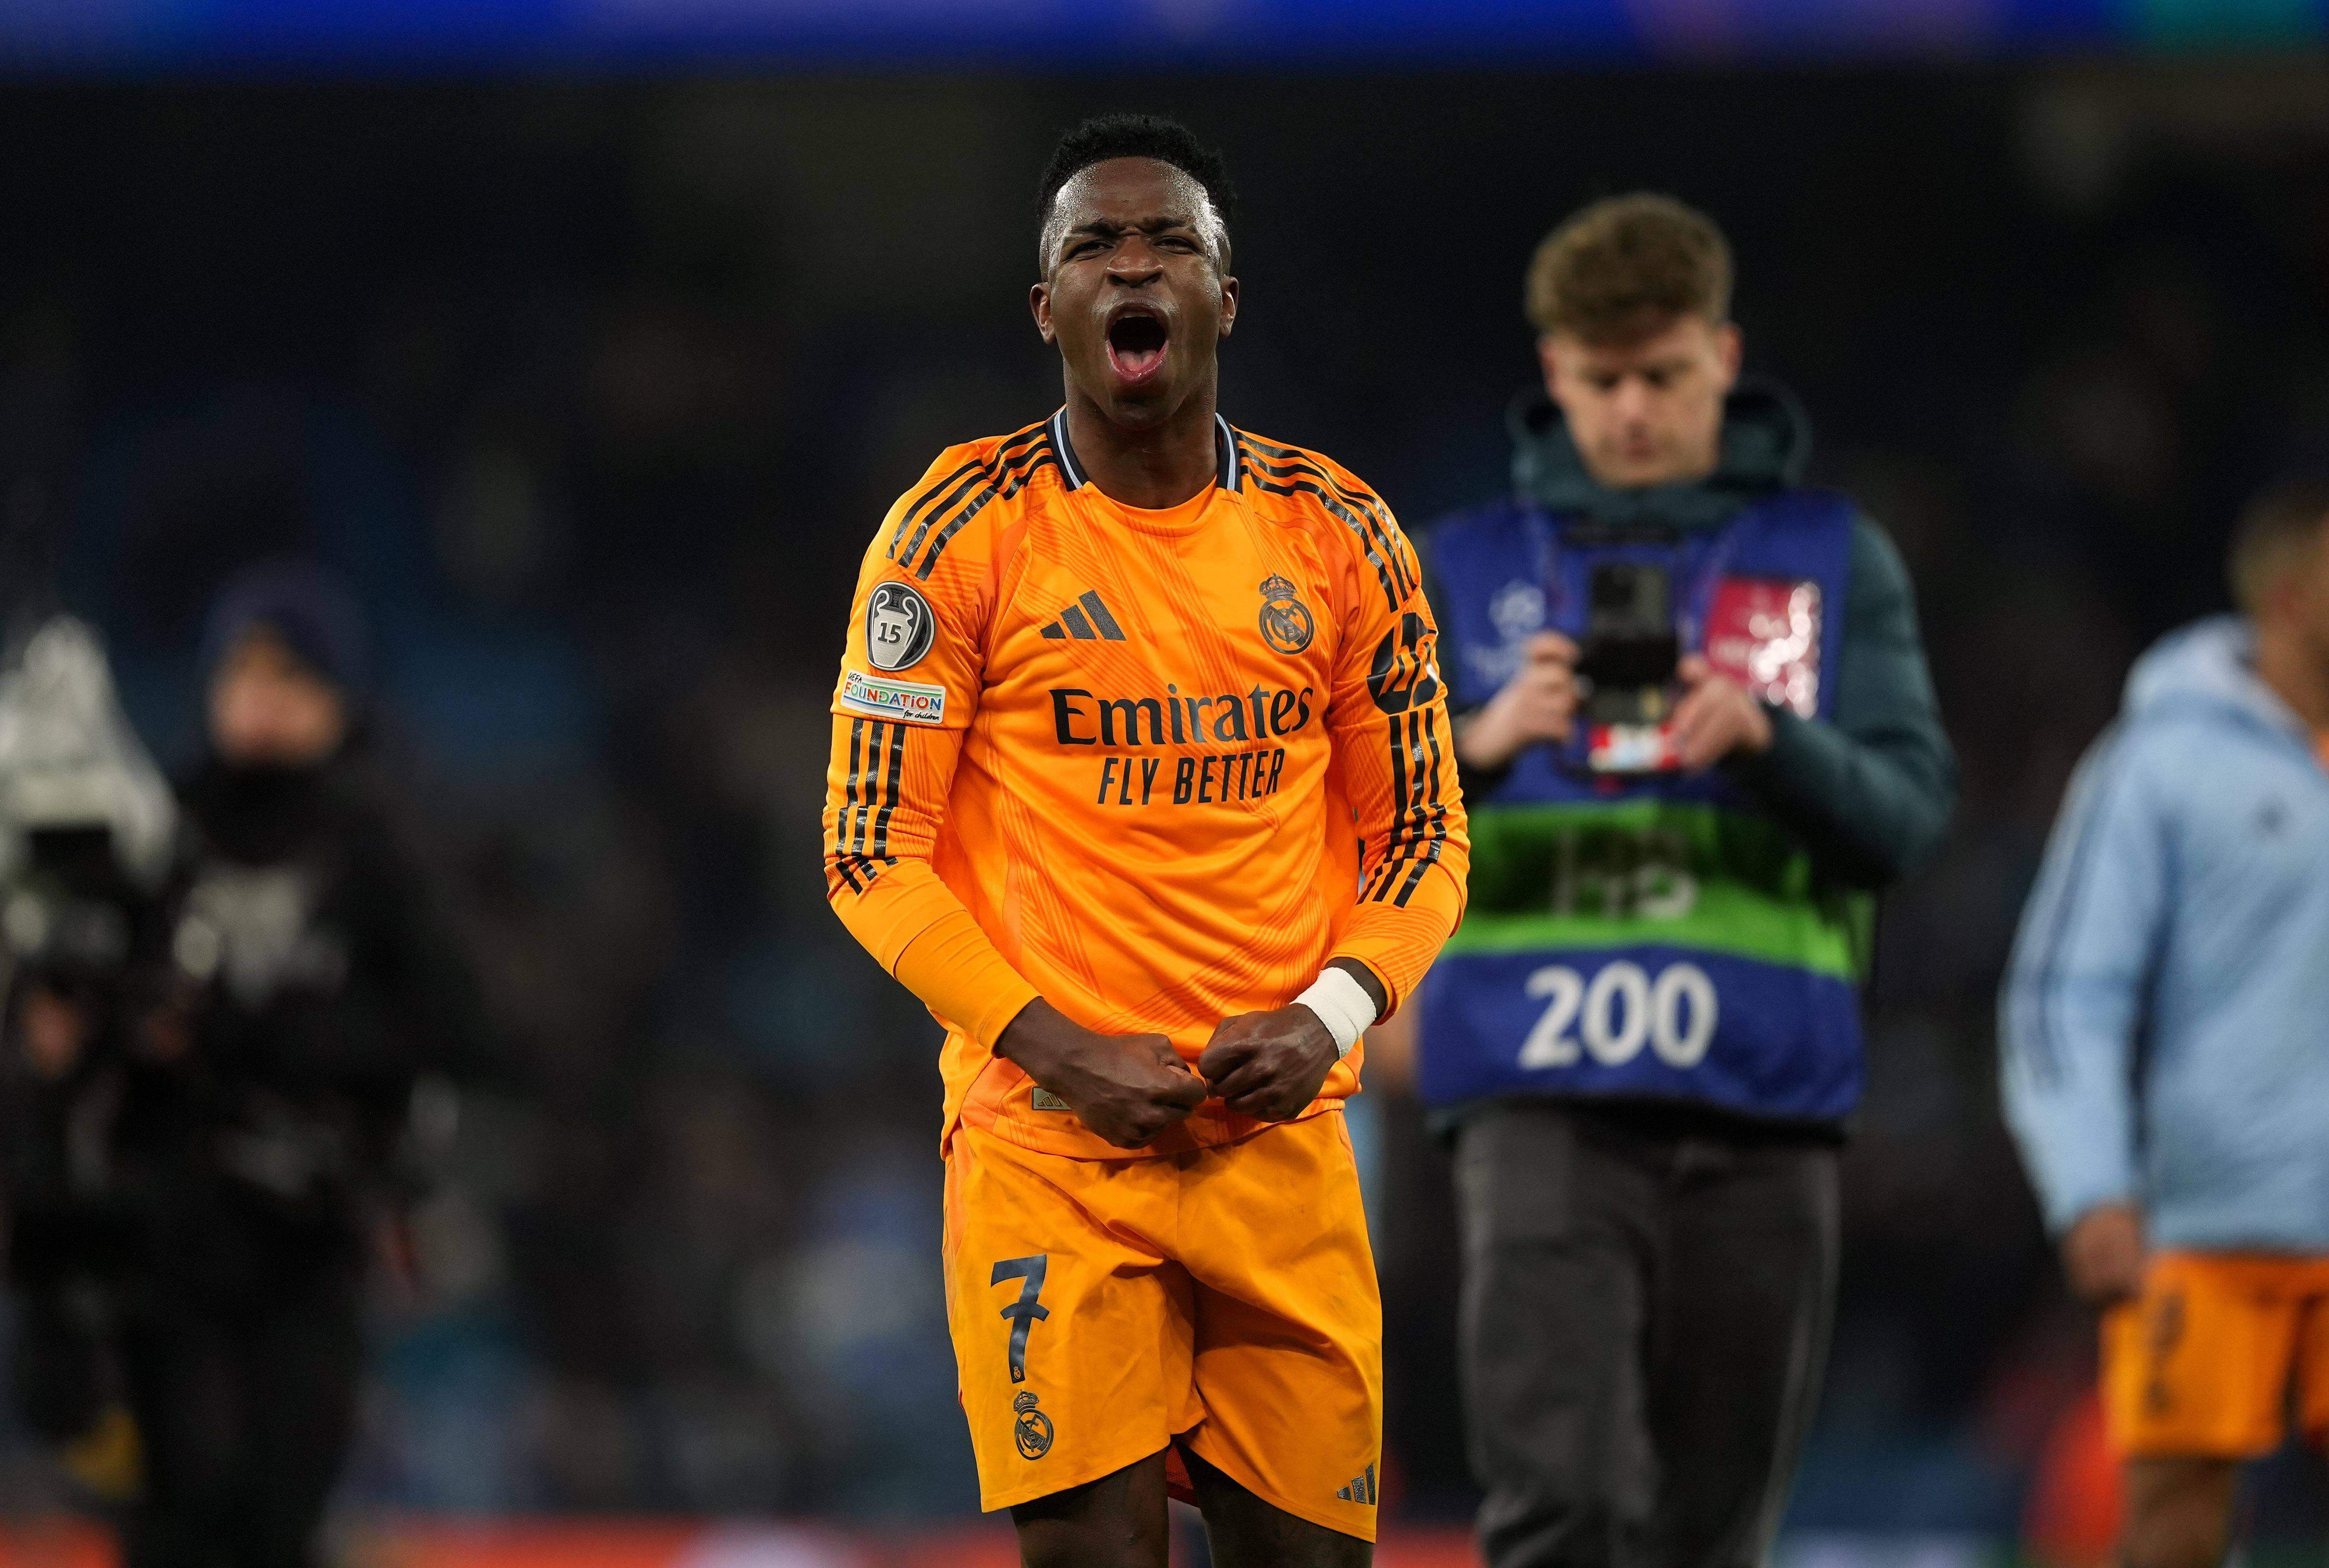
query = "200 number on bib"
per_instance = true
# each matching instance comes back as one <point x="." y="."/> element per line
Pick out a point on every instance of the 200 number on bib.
<point x="1620" y="1011"/>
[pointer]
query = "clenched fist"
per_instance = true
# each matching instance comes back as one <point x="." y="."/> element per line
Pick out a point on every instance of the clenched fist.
<point x="1268" y="1064"/>
<point x="1271" y="1064"/>
<point x="1127" y="1088"/>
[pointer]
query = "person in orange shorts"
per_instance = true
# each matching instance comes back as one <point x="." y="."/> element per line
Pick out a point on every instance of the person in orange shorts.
<point x="1140" y="781"/>
<point x="2214" y="1351"/>
<point x="2166" y="1040"/>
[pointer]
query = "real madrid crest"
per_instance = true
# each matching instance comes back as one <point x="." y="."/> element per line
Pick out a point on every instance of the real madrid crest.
<point x="1030" y="1428"/>
<point x="1286" y="623"/>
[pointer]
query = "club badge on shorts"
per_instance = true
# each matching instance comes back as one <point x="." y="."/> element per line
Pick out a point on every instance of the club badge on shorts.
<point x="1030" y="1428"/>
<point x="898" y="627"/>
<point x="1284" y="620"/>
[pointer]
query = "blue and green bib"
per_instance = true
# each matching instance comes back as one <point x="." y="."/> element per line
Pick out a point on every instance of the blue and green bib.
<point x="1647" y="936"/>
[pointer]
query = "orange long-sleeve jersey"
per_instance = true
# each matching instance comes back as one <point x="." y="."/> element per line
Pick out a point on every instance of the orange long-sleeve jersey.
<point x="1157" y="768"/>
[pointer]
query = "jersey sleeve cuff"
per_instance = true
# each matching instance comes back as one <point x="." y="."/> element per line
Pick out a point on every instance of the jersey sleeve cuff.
<point x="897" y="910"/>
<point x="954" y="967"/>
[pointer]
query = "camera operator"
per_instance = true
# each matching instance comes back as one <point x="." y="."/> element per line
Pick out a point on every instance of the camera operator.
<point x="319" y="986"/>
<point x="87" y="827"/>
<point x="1696" y="734"/>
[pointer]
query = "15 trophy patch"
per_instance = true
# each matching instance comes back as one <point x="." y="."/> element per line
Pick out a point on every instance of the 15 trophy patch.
<point x="1030" y="1428"/>
<point x="898" y="627"/>
<point x="1286" y="623"/>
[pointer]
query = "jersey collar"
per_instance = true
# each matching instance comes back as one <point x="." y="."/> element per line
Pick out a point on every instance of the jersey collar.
<point x="1228" y="473"/>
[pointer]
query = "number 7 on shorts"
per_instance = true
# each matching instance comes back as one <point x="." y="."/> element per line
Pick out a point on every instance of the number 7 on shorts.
<point x="1025" y="1312"/>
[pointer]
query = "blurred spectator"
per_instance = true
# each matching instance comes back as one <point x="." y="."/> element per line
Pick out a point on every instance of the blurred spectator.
<point x="2162" y="1022"/>
<point x="317" y="984"/>
<point x="87" y="833"/>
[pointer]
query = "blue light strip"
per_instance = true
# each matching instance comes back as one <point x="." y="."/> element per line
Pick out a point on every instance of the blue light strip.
<point x="43" y="35"/>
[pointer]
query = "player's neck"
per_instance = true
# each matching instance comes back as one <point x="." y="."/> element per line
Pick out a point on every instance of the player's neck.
<point x="2295" y="671"/>
<point x="1153" y="468"/>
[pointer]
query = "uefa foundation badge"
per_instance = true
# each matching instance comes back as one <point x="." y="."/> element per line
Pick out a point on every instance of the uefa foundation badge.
<point x="904" y="701"/>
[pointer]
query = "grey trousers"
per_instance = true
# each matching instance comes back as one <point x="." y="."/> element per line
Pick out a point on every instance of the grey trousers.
<point x="1646" y="1314"/>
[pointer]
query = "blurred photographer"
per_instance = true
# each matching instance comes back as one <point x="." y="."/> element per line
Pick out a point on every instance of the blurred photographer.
<point x="1696" y="733"/>
<point x="87" y="828"/>
<point x="316" y="986"/>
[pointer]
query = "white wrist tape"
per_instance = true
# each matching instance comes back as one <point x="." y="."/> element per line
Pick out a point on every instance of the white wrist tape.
<point x="1342" y="1005"/>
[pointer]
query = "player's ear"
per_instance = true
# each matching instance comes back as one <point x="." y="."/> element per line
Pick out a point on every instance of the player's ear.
<point x="1733" y="349"/>
<point x="1228" y="304"/>
<point x="1039" y="300"/>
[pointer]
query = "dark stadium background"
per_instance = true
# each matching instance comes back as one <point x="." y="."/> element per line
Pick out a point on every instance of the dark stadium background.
<point x="596" y="389"/>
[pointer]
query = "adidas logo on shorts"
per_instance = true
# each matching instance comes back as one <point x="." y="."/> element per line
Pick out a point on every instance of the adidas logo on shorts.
<point x="1086" y="620"/>
<point x="1362" y="1489"/>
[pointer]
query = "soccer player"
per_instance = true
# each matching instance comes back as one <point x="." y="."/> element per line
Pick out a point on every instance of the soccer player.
<point x="2166" y="1029"/>
<point x="1140" y="781"/>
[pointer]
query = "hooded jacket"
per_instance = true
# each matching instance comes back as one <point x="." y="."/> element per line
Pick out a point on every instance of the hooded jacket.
<point x="2165" y="1024"/>
<point x="320" y="980"/>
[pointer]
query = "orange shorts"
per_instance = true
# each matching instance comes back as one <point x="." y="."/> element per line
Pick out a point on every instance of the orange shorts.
<point x="2218" y="1347"/>
<point x="1225" y="1296"/>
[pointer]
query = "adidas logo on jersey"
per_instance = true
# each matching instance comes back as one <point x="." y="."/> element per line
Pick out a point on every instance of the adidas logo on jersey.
<point x="1086" y="620"/>
<point x="1362" y="1489"/>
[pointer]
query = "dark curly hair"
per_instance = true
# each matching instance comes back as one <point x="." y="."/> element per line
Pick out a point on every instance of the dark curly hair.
<point x="1134" y="136"/>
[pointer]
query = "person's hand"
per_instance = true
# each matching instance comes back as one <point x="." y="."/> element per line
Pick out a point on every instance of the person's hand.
<point x="1715" y="718"/>
<point x="1268" y="1064"/>
<point x="1271" y="1064"/>
<point x="1127" y="1088"/>
<point x="2103" y="1254"/>
<point x="1539" y="704"/>
<point x="53" y="1030"/>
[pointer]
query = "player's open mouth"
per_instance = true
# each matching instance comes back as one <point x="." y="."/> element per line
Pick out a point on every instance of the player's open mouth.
<point x="1136" y="340"/>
